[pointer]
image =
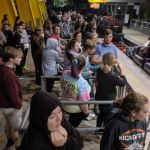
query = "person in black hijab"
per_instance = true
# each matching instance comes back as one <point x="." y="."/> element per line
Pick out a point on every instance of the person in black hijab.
<point x="48" y="129"/>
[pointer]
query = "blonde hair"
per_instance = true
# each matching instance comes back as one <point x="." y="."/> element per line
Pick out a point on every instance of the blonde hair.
<point x="108" y="60"/>
<point x="89" y="44"/>
<point x="92" y="35"/>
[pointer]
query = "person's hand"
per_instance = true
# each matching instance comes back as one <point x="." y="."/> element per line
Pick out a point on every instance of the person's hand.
<point x="57" y="139"/>
<point x="63" y="132"/>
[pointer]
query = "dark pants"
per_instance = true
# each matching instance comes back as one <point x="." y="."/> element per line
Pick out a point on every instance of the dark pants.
<point x="105" y="115"/>
<point x="19" y="68"/>
<point x="49" y="84"/>
<point x="37" y="59"/>
<point x="76" y="118"/>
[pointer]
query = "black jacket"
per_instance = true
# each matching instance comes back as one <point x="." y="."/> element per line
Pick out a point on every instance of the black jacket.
<point x="16" y="41"/>
<point x="106" y="85"/>
<point x="9" y="37"/>
<point x="1" y="51"/>
<point x="36" y="137"/>
<point x="123" y="134"/>
<point x="37" y="44"/>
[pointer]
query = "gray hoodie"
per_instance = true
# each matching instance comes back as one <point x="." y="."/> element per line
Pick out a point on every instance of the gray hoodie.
<point x="50" y="57"/>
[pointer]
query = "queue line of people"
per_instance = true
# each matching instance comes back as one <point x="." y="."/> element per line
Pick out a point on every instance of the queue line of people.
<point x="46" y="53"/>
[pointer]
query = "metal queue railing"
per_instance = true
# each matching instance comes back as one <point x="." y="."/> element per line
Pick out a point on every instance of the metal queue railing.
<point x="74" y="102"/>
<point x="141" y="26"/>
<point x="122" y="92"/>
<point x="85" y="130"/>
<point x="64" y="102"/>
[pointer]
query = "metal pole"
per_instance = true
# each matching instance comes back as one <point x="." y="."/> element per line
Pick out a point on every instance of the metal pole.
<point x="22" y="126"/>
<point x="42" y="84"/>
<point x="75" y="102"/>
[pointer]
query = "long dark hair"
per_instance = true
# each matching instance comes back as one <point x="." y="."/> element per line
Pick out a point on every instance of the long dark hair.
<point x="77" y="65"/>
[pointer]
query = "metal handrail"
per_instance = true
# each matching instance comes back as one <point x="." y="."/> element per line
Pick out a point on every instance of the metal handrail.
<point x="73" y="102"/>
<point x="43" y="78"/>
<point x="141" y="26"/>
<point x="86" y="130"/>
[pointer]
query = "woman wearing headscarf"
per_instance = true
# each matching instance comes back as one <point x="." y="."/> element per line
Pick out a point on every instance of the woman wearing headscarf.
<point x="48" y="129"/>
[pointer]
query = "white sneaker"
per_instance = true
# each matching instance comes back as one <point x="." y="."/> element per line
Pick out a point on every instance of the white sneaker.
<point x="90" y="117"/>
<point x="92" y="114"/>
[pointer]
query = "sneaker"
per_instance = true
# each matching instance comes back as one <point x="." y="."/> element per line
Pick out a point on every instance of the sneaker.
<point x="90" y="117"/>
<point x="26" y="68"/>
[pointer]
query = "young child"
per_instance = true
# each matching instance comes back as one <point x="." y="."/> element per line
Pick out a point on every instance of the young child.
<point x="10" y="91"/>
<point x="72" y="52"/>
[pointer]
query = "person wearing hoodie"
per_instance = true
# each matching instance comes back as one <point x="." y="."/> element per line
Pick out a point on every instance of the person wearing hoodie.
<point x="48" y="129"/>
<point x="50" y="59"/>
<point x="127" y="130"/>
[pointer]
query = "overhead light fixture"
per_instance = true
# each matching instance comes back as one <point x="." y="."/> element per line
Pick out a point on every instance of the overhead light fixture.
<point x="95" y="5"/>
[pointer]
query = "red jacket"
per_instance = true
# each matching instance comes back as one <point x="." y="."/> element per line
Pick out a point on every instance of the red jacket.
<point x="10" y="89"/>
<point x="55" y="36"/>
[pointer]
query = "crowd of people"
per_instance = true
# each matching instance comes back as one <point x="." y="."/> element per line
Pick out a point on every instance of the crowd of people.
<point x="71" y="37"/>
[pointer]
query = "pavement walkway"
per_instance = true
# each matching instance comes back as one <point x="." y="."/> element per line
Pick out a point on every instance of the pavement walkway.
<point x="137" y="37"/>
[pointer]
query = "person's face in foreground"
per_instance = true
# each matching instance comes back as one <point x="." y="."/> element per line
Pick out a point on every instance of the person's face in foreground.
<point x="143" y="113"/>
<point x="17" y="60"/>
<point x="54" y="120"/>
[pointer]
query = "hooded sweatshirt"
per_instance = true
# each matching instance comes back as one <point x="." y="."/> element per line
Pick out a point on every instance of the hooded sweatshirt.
<point x="36" y="137"/>
<point x="50" y="57"/>
<point x="106" y="85"/>
<point x="124" y="134"/>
